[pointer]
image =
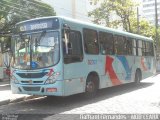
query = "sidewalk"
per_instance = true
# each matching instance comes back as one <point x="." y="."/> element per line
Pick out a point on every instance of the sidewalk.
<point x="7" y="97"/>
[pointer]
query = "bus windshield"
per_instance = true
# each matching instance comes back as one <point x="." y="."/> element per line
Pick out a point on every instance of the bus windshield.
<point x="35" y="50"/>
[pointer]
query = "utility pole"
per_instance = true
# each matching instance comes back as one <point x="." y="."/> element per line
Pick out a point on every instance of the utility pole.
<point x="156" y="26"/>
<point x="138" y="30"/>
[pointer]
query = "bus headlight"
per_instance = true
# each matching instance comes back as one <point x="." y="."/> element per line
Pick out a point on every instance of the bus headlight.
<point x="13" y="78"/>
<point x="52" y="78"/>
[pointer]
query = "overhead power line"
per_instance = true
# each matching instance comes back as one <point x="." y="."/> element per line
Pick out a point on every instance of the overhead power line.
<point x="26" y="12"/>
<point x="23" y="6"/>
<point x="39" y="4"/>
<point x="16" y="13"/>
<point x="79" y="14"/>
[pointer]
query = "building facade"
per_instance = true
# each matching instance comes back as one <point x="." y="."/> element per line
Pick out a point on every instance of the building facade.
<point x="77" y="9"/>
<point x="148" y="10"/>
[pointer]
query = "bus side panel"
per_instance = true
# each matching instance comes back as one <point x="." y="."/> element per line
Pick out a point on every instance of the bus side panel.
<point x="125" y="69"/>
<point x="108" y="74"/>
<point x="118" y="70"/>
<point x="74" y="80"/>
<point x="147" y="66"/>
<point x="76" y="74"/>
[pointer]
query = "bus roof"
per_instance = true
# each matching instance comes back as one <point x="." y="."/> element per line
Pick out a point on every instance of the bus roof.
<point x="91" y="25"/>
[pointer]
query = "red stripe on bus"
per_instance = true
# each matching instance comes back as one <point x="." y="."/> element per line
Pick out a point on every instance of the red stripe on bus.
<point x="143" y="64"/>
<point x="109" y="69"/>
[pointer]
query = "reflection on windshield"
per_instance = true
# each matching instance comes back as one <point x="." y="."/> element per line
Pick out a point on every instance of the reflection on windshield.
<point x="36" y="50"/>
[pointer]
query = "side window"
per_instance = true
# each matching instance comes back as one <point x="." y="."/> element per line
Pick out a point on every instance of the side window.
<point x="120" y="45"/>
<point x="135" y="47"/>
<point x="139" y="47"/>
<point x="106" y="43"/>
<point x="129" y="46"/>
<point x="74" y="47"/>
<point x="151" y="48"/>
<point x="90" y="41"/>
<point x="148" y="49"/>
<point x="144" y="48"/>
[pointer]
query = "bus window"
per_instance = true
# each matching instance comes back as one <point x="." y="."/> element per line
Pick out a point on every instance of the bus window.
<point x="106" y="43"/>
<point x="75" y="53"/>
<point x="148" y="49"/>
<point x="139" y="47"/>
<point x="129" y="46"/>
<point x="119" y="45"/>
<point x="90" y="41"/>
<point x="144" y="52"/>
<point x="151" y="53"/>
<point x="135" y="51"/>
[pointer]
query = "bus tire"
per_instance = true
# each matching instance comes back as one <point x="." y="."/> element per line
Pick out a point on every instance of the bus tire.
<point x="138" y="76"/>
<point x="91" y="86"/>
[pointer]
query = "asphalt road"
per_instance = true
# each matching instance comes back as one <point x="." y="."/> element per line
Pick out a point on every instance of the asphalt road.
<point x="126" y="99"/>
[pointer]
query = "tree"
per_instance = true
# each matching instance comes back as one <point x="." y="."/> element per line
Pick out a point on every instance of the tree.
<point x="145" y="27"/>
<point x="13" y="11"/>
<point x="122" y="13"/>
<point x="122" y="10"/>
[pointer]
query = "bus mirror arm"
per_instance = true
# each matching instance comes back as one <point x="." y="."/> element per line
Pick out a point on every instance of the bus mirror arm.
<point x="66" y="28"/>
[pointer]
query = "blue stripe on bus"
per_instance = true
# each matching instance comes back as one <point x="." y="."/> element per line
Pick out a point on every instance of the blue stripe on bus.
<point x="126" y="66"/>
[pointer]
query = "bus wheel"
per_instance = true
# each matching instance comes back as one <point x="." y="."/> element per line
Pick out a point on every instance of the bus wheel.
<point x="138" y="76"/>
<point x="91" y="87"/>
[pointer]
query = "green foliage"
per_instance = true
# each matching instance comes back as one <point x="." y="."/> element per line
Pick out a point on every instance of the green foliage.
<point x="13" y="11"/>
<point x="122" y="13"/>
<point x="145" y="27"/>
<point x="115" y="13"/>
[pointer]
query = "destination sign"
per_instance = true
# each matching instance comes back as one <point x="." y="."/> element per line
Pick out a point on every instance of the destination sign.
<point x="38" y="25"/>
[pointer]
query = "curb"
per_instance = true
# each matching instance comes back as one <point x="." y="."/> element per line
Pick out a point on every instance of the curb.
<point x="5" y="102"/>
<point x="5" y="80"/>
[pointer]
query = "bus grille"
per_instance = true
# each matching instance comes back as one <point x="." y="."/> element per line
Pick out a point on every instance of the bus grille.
<point x="31" y="88"/>
<point x="32" y="75"/>
<point x="28" y="82"/>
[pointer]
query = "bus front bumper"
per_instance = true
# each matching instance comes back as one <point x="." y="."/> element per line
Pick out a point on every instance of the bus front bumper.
<point x="41" y="89"/>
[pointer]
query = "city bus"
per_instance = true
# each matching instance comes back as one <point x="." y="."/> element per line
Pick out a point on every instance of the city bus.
<point x="59" y="56"/>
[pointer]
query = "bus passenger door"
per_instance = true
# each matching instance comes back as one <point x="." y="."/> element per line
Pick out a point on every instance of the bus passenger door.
<point x="73" y="63"/>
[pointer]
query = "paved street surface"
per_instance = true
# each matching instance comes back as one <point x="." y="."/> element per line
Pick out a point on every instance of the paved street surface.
<point x="6" y="94"/>
<point x="142" y="98"/>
